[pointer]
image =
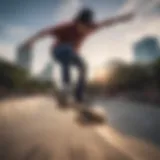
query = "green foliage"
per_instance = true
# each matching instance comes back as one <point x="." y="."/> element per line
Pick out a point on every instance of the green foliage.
<point x="130" y="77"/>
<point x="13" y="78"/>
<point x="135" y="76"/>
<point x="156" y="72"/>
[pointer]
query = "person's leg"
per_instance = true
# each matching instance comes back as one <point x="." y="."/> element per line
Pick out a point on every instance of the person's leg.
<point x="81" y="83"/>
<point x="63" y="56"/>
<point x="65" y="74"/>
<point x="66" y="56"/>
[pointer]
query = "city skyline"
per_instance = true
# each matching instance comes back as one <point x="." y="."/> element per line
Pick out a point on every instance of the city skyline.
<point x="146" y="50"/>
<point x="110" y="43"/>
<point x="46" y="73"/>
<point x="24" y="59"/>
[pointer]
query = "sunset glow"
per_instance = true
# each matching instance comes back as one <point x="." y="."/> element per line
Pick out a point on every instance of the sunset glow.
<point x="100" y="75"/>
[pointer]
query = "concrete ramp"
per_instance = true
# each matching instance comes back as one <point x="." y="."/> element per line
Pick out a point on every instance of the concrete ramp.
<point x="35" y="129"/>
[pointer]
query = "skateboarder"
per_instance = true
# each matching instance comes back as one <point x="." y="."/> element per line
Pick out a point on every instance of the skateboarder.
<point x="69" y="37"/>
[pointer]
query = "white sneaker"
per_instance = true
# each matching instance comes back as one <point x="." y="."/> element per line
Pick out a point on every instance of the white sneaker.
<point x="66" y="93"/>
<point x="66" y="90"/>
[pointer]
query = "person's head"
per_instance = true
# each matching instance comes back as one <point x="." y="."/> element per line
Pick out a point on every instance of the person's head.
<point x="85" y="17"/>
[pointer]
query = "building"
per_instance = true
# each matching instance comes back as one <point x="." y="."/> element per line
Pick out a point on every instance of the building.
<point x="46" y="73"/>
<point x="146" y="50"/>
<point x="24" y="58"/>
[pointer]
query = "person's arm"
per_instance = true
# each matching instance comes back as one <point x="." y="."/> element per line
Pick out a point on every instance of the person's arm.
<point x="115" y="20"/>
<point x="37" y="36"/>
<point x="46" y="32"/>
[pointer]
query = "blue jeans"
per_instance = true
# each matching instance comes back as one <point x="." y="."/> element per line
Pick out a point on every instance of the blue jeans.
<point x="66" y="57"/>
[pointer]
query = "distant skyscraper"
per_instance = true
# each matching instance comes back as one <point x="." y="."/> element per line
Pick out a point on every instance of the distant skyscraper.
<point x="146" y="50"/>
<point x="46" y="73"/>
<point x="24" y="58"/>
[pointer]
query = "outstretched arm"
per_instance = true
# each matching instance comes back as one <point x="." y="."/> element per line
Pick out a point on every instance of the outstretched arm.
<point x="40" y="34"/>
<point x="116" y="20"/>
<point x="46" y="32"/>
<point x="37" y="36"/>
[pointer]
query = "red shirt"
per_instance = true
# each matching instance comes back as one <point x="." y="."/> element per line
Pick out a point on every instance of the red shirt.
<point x="70" y="33"/>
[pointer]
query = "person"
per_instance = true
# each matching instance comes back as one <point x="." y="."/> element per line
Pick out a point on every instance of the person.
<point x="69" y="38"/>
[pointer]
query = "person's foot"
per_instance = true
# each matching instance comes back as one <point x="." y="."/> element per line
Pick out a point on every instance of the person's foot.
<point x="81" y="106"/>
<point x="65" y="95"/>
<point x="62" y="100"/>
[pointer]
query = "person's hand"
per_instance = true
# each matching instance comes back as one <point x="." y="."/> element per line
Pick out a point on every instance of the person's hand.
<point x="24" y="46"/>
<point x="127" y="17"/>
<point x="27" y="44"/>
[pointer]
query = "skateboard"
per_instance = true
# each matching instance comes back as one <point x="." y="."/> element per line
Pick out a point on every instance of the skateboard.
<point x="91" y="115"/>
<point x="86" y="113"/>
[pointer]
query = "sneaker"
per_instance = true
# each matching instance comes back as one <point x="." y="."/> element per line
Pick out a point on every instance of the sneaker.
<point x="64" y="95"/>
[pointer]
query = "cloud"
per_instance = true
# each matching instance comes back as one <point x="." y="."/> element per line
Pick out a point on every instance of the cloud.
<point x="147" y="20"/>
<point x="68" y="9"/>
<point x="141" y="7"/>
<point x="19" y="32"/>
<point x="157" y="8"/>
<point x="2" y="29"/>
<point x="14" y="33"/>
<point x="117" y="42"/>
<point x="11" y="37"/>
<point x="104" y="45"/>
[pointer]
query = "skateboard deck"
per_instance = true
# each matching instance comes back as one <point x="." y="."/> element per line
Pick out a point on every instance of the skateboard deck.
<point x="91" y="115"/>
<point x="85" y="113"/>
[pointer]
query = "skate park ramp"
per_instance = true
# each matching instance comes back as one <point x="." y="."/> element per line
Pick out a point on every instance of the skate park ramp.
<point x="33" y="128"/>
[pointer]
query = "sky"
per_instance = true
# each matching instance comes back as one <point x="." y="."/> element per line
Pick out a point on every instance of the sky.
<point x="19" y="19"/>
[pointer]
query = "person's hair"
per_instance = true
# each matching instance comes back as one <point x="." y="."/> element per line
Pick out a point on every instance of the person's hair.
<point x="85" y="16"/>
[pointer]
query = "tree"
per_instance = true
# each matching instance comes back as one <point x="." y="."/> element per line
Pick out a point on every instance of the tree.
<point x="156" y="72"/>
<point x="11" y="76"/>
<point x="16" y="79"/>
<point x="127" y="77"/>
